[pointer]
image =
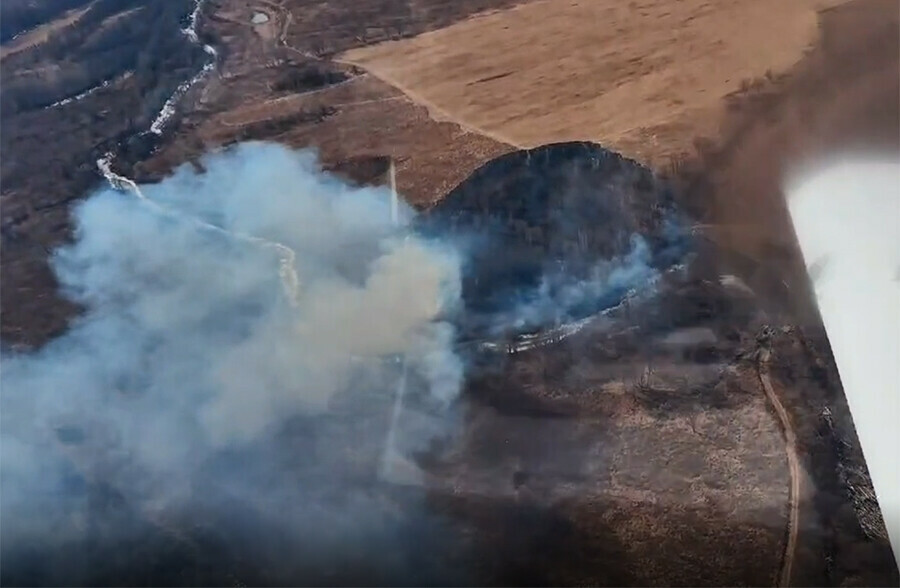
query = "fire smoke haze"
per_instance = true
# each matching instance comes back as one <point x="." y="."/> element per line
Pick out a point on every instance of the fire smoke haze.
<point x="847" y="219"/>
<point x="175" y="386"/>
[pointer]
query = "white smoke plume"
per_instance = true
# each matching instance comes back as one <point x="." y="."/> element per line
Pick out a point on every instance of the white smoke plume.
<point x="561" y="298"/>
<point x="189" y="380"/>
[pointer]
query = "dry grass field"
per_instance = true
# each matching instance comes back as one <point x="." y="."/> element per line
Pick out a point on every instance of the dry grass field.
<point x="645" y="77"/>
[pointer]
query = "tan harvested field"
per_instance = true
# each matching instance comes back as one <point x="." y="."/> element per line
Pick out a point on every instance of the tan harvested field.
<point x="645" y="77"/>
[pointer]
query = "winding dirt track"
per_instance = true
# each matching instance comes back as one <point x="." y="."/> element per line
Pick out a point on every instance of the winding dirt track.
<point x="790" y="448"/>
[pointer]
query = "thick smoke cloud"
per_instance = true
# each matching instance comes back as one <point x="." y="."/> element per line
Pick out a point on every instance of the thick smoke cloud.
<point x="215" y="416"/>
<point x="193" y="388"/>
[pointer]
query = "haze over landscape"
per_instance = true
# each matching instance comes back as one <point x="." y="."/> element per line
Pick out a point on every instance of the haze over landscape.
<point x="486" y="292"/>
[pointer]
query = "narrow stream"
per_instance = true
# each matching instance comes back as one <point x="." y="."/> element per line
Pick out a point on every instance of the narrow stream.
<point x="287" y="270"/>
<point x="80" y="96"/>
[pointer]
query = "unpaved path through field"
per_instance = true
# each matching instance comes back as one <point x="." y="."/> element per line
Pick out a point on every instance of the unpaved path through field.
<point x="790" y="438"/>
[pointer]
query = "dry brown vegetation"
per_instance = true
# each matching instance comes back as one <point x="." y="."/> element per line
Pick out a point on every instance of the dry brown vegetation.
<point x="658" y="467"/>
<point x="578" y="464"/>
<point x="644" y="78"/>
<point x="360" y="118"/>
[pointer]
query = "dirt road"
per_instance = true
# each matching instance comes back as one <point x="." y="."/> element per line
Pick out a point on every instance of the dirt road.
<point x="790" y="438"/>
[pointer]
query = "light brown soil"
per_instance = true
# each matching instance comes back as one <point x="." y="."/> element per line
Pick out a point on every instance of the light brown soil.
<point x="645" y="78"/>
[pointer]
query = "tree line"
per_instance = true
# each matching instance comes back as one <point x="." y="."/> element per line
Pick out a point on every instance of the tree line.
<point x="146" y="41"/>
<point x="18" y="16"/>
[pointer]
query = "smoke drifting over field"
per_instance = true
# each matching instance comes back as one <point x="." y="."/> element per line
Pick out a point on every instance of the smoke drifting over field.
<point x="847" y="219"/>
<point x="561" y="298"/>
<point x="191" y="382"/>
<point x="207" y="399"/>
<point x="557" y="233"/>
